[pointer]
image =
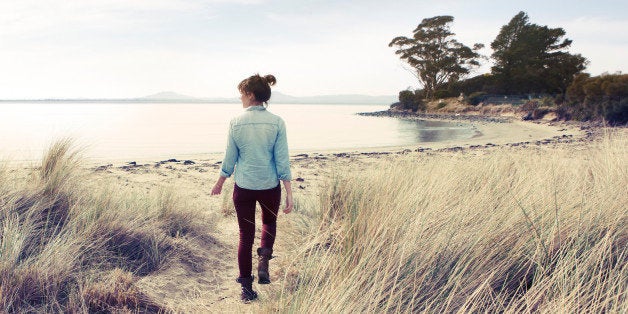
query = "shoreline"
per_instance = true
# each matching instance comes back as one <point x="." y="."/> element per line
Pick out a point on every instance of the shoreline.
<point x="490" y="132"/>
<point x="437" y="116"/>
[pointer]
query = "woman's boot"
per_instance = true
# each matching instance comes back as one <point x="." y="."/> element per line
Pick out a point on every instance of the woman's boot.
<point x="248" y="294"/>
<point x="264" y="255"/>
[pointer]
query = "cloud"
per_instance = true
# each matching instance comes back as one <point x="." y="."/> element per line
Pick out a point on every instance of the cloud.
<point x="601" y="40"/>
<point x="27" y="17"/>
<point x="597" y="29"/>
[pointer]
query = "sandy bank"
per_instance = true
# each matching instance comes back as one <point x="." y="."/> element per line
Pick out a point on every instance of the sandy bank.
<point x="191" y="178"/>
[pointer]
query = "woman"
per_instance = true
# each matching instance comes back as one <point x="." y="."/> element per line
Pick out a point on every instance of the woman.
<point x="257" y="149"/>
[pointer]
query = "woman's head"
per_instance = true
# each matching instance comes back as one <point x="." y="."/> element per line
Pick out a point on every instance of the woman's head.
<point x="259" y="86"/>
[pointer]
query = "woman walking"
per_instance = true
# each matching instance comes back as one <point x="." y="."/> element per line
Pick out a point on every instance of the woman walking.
<point x="257" y="151"/>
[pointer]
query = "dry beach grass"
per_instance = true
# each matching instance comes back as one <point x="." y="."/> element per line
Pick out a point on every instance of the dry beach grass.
<point x="509" y="231"/>
<point x="497" y="228"/>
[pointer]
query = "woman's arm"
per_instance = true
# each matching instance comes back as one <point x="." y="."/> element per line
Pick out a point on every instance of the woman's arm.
<point x="228" y="163"/>
<point x="231" y="155"/>
<point x="282" y="164"/>
<point x="282" y="158"/>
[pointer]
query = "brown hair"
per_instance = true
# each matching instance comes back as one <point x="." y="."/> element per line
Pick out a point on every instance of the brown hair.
<point x="259" y="86"/>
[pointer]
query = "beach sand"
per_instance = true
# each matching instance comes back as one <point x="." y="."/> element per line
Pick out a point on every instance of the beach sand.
<point x="191" y="177"/>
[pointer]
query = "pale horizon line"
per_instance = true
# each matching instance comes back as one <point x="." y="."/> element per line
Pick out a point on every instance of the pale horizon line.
<point x="184" y="97"/>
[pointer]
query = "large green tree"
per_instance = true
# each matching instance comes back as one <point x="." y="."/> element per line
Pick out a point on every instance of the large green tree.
<point x="530" y="58"/>
<point x="435" y="56"/>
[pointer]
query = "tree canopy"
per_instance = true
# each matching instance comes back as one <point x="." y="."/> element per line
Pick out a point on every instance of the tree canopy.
<point x="530" y="58"/>
<point x="435" y="56"/>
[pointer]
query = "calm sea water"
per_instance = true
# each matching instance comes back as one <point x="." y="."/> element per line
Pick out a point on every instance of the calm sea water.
<point x="172" y="130"/>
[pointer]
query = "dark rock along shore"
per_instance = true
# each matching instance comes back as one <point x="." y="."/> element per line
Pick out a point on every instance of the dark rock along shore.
<point x="434" y="116"/>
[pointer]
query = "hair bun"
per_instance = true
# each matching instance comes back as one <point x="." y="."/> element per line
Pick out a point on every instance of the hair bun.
<point x="270" y="79"/>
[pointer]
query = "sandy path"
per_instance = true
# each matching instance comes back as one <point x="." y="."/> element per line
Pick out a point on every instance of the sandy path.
<point x="212" y="287"/>
<point x="212" y="290"/>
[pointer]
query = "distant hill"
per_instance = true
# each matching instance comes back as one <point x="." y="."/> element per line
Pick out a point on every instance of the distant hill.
<point x="176" y="97"/>
<point x="168" y="96"/>
<point x="281" y="98"/>
<point x="276" y="98"/>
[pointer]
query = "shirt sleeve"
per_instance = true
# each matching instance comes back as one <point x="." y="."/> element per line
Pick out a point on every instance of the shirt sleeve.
<point x="282" y="158"/>
<point x="231" y="155"/>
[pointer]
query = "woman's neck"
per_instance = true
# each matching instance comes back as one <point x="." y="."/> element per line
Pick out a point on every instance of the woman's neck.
<point x="245" y="106"/>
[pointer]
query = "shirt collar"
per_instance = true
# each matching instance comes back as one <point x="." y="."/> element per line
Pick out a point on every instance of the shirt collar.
<point x="255" y="108"/>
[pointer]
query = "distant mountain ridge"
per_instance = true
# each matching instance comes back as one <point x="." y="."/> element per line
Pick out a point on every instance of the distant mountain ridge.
<point x="280" y="98"/>
<point x="276" y="98"/>
<point x="168" y="96"/>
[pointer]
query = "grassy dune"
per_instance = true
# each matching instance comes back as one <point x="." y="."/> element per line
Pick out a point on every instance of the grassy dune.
<point x="506" y="231"/>
<point x="498" y="230"/>
<point x="69" y="244"/>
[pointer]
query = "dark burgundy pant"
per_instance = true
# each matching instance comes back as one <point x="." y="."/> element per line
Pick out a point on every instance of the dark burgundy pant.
<point x="245" y="201"/>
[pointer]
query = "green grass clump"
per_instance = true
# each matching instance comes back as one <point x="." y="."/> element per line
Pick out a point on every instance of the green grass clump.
<point x="71" y="245"/>
<point x="507" y="231"/>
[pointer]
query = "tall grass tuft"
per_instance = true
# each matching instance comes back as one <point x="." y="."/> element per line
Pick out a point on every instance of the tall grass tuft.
<point x="68" y="244"/>
<point x="508" y="231"/>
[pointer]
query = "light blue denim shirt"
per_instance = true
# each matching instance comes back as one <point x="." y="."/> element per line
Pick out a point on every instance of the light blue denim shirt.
<point x="257" y="149"/>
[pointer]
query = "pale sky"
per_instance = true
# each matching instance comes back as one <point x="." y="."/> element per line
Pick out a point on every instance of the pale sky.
<point x="204" y="48"/>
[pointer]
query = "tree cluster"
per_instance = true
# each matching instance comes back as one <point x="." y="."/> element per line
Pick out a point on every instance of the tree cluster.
<point x="592" y="98"/>
<point x="528" y="60"/>
<point x="412" y="100"/>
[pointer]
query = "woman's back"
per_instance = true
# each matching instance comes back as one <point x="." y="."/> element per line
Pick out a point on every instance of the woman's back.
<point x="262" y="151"/>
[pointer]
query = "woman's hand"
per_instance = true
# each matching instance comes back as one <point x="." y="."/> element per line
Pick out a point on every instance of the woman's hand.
<point x="289" y="204"/>
<point x="217" y="189"/>
<point x="289" y="201"/>
<point x="218" y="186"/>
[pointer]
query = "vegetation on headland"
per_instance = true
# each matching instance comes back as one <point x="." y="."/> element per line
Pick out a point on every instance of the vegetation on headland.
<point x="510" y="231"/>
<point x="531" y="66"/>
